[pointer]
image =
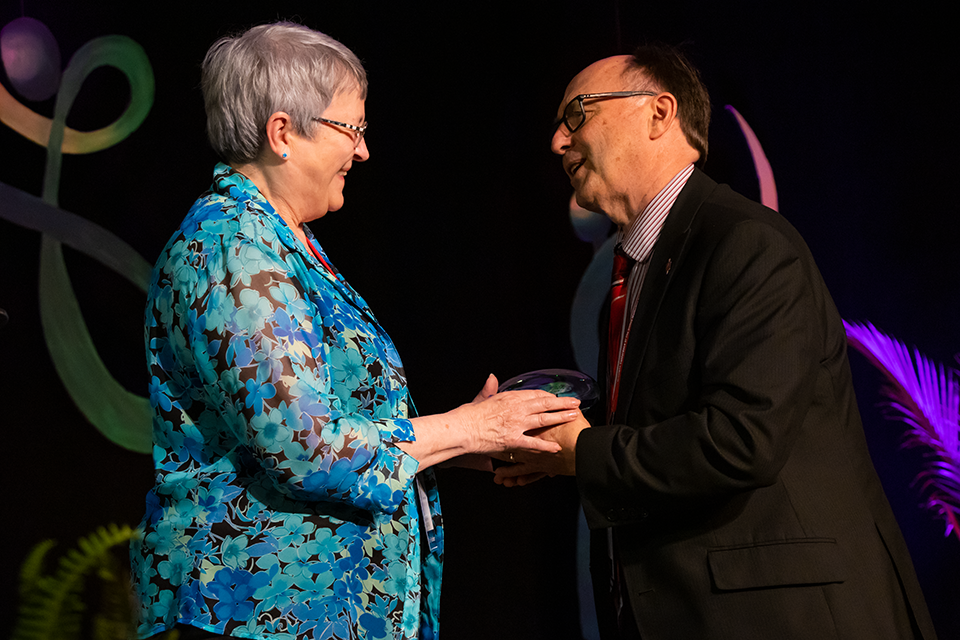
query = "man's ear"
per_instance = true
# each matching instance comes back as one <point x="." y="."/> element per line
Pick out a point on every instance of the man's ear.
<point x="664" y="106"/>
<point x="279" y="134"/>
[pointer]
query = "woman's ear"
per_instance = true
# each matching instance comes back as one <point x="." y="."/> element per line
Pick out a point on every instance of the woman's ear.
<point x="279" y="134"/>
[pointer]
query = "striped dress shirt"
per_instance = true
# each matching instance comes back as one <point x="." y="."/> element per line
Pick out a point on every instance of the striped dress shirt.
<point x="639" y="239"/>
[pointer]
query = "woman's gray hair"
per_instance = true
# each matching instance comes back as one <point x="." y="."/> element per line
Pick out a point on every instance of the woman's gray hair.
<point x="272" y="67"/>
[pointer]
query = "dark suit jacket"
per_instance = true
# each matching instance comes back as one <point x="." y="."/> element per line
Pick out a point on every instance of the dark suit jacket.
<point x="736" y="473"/>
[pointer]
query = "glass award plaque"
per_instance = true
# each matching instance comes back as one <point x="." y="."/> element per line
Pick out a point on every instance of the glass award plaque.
<point x="559" y="382"/>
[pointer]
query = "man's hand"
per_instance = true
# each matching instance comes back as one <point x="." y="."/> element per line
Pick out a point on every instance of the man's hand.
<point x="532" y="466"/>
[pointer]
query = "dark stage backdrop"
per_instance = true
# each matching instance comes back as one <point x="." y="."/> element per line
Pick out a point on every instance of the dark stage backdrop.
<point x="457" y="233"/>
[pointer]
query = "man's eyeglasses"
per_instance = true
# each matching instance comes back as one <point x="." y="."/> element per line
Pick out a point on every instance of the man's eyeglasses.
<point x="356" y="132"/>
<point x="574" y="115"/>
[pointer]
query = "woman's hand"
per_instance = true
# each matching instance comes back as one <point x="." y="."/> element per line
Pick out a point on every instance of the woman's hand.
<point x="502" y="421"/>
<point x="477" y="461"/>
<point x="492" y="423"/>
<point x="489" y="389"/>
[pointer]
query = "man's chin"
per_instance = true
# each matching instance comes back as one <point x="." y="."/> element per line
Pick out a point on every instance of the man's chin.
<point x="585" y="203"/>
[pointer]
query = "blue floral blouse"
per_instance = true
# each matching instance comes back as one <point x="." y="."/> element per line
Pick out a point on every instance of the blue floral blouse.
<point x="282" y="508"/>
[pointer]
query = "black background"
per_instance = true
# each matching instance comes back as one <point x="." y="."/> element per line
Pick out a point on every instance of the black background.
<point x="456" y="232"/>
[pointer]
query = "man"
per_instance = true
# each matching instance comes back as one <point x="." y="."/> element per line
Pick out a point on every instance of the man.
<point x="730" y="491"/>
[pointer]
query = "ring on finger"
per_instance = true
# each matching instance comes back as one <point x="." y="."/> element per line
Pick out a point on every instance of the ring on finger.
<point x="512" y="458"/>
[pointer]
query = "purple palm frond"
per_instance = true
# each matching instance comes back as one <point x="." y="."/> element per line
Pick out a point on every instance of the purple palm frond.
<point x="926" y="396"/>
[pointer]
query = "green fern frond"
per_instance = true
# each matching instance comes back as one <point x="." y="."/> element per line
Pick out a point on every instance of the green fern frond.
<point x="32" y="568"/>
<point x="52" y="606"/>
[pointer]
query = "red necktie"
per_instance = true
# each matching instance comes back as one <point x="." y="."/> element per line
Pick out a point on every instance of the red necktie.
<point x="622" y="263"/>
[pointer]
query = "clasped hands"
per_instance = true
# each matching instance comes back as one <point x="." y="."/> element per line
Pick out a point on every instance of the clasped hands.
<point x="546" y="450"/>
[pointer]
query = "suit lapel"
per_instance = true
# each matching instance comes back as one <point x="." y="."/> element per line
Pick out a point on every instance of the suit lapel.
<point x="667" y="257"/>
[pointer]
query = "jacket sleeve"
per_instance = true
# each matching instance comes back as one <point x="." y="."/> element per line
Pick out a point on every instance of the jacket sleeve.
<point x="730" y="401"/>
<point x="301" y="382"/>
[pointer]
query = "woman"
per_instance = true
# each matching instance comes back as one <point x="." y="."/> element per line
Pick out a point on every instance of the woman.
<point x="291" y="486"/>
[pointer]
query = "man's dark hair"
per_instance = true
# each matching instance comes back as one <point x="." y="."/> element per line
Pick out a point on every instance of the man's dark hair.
<point x="668" y="69"/>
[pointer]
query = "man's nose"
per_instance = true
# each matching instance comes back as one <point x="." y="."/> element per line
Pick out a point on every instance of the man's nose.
<point x="561" y="140"/>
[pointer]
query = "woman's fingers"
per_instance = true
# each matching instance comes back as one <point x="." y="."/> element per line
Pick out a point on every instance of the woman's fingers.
<point x="553" y="418"/>
<point x="543" y="408"/>
<point x="500" y="423"/>
<point x="547" y="401"/>
<point x="536" y="444"/>
<point x="489" y="388"/>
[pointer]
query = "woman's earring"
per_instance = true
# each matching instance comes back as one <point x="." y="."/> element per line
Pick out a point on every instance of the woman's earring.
<point x="284" y="156"/>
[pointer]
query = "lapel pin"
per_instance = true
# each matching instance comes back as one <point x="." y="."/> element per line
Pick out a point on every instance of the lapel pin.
<point x="669" y="264"/>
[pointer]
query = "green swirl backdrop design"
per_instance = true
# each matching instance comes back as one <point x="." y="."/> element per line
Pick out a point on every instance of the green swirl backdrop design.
<point x="121" y="416"/>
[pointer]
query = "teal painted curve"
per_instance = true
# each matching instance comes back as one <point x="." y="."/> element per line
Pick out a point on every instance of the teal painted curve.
<point x="121" y="53"/>
<point x="121" y="416"/>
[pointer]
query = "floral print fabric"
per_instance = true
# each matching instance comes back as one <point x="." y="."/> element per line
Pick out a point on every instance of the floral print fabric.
<point x="281" y="508"/>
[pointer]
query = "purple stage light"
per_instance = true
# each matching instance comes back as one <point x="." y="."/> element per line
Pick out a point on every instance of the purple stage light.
<point x="31" y="58"/>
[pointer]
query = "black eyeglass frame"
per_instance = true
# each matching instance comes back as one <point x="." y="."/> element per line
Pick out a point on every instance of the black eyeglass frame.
<point x="565" y="119"/>
<point x="362" y="129"/>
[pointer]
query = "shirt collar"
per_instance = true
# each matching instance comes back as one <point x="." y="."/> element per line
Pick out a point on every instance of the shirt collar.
<point x="640" y="237"/>
<point x="228" y="181"/>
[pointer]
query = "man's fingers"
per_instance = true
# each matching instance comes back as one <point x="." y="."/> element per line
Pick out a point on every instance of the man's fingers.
<point x="517" y="477"/>
<point x="514" y="470"/>
<point x="530" y="478"/>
